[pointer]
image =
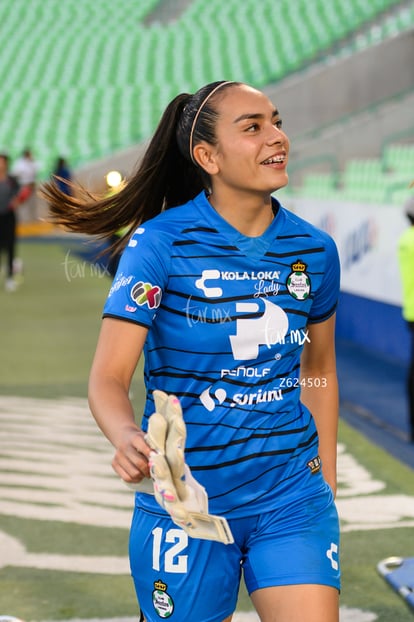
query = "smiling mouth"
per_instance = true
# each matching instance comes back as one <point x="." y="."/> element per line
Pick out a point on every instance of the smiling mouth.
<point x="277" y="159"/>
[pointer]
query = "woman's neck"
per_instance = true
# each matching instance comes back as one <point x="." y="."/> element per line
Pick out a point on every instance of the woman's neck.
<point x="250" y="217"/>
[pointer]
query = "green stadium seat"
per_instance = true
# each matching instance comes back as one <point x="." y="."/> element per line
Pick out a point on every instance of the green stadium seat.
<point x="400" y="158"/>
<point x="319" y="186"/>
<point x="366" y="180"/>
<point x="89" y="77"/>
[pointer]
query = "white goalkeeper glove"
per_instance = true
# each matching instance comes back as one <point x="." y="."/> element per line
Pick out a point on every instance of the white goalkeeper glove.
<point x="175" y="488"/>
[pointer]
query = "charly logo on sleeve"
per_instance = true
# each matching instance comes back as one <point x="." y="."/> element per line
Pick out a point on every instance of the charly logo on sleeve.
<point x="146" y="294"/>
<point x="298" y="282"/>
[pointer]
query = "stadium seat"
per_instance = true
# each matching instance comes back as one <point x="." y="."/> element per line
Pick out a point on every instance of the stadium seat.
<point x="89" y="77"/>
<point x="369" y="180"/>
<point x="319" y="186"/>
<point x="400" y="159"/>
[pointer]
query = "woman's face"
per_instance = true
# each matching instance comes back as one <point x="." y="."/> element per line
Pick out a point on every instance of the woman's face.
<point x="252" y="151"/>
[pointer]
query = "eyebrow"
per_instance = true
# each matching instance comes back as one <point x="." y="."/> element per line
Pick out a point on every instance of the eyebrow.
<point x="257" y="115"/>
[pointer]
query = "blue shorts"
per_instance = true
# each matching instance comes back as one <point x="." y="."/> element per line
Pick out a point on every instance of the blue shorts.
<point x="184" y="578"/>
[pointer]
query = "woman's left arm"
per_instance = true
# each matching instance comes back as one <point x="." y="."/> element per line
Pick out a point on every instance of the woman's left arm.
<point x="319" y="391"/>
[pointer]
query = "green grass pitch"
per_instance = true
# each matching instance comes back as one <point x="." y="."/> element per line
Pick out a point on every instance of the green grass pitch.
<point x="49" y="328"/>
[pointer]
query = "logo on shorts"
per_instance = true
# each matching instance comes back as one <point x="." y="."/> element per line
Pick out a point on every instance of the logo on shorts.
<point x="298" y="282"/>
<point x="315" y="465"/>
<point x="162" y="601"/>
<point x="331" y="553"/>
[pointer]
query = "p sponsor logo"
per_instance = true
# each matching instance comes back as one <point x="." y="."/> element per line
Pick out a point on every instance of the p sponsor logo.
<point x="257" y="328"/>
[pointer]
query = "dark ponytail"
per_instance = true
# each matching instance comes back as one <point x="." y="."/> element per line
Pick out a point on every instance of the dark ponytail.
<point x="166" y="176"/>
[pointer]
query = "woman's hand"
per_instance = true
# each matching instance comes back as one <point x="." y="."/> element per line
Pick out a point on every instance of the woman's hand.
<point x="130" y="460"/>
<point x="119" y="348"/>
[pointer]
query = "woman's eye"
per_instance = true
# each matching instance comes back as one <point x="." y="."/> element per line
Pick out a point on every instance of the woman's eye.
<point x="252" y="128"/>
<point x="278" y="124"/>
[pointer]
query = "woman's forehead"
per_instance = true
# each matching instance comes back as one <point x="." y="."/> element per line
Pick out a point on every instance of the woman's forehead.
<point x="242" y="100"/>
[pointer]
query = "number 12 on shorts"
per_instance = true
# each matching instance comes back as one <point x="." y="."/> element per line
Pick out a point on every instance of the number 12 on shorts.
<point x="172" y="559"/>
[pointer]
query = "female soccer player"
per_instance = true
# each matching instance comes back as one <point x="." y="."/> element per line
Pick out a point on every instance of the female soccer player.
<point x="232" y="300"/>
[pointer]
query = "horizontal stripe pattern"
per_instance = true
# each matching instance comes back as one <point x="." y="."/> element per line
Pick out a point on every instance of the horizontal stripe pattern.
<point x="226" y="338"/>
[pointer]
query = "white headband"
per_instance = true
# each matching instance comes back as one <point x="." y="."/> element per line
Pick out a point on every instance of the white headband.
<point x="203" y="103"/>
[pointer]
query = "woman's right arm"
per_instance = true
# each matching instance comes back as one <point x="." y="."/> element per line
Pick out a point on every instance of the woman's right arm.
<point x="119" y="348"/>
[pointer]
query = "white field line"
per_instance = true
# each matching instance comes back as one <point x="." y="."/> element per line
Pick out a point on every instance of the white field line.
<point x="55" y="465"/>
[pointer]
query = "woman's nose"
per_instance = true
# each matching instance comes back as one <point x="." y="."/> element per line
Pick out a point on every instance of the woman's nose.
<point x="277" y="136"/>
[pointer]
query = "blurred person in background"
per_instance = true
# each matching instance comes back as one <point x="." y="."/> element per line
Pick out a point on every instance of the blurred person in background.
<point x="232" y="300"/>
<point x="406" y="263"/>
<point x="25" y="169"/>
<point x="9" y="193"/>
<point x="63" y="175"/>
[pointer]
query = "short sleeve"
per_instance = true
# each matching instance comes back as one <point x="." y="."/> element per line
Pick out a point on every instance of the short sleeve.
<point x="326" y="297"/>
<point x="141" y="278"/>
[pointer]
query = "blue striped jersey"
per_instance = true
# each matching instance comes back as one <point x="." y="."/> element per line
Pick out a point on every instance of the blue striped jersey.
<point x="228" y="318"/>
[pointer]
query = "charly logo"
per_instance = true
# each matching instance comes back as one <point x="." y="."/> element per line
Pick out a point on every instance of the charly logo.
<point x="133" y="242"/>
<point x="298" y="282"/>
<point x="208" y="290"/>
<point x="162" y="601"/>
<point x="146" y="294"/>
<point x="333" y="550"/>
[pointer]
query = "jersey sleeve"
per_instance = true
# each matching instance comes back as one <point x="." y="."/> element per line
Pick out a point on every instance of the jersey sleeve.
<point x="141" y="278"/>
<point x="326" y="297"/>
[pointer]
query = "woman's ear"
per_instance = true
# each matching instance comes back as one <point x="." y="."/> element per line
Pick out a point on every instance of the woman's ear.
<point x="204" y="155"/>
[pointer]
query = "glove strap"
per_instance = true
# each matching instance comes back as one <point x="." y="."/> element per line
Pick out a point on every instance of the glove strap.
<point x="208" y="527"/>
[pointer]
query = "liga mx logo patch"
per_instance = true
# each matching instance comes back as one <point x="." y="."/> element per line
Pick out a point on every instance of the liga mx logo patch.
<point x="146" y="294"/>
<point x="162" y="601"/>
<point x="298" y="283"/>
